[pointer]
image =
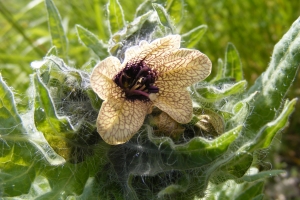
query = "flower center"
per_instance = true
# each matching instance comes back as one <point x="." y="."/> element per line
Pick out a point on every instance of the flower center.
<point x="137" y="80"/>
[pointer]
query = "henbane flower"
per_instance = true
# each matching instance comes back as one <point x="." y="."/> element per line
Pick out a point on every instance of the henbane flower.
<point x="152" y="74"/>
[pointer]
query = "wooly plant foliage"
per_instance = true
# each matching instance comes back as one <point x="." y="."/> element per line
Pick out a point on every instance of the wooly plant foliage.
<point x="53" y="151"/>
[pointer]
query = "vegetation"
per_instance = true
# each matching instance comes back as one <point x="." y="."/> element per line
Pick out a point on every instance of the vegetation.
<point x="50" y="88"/>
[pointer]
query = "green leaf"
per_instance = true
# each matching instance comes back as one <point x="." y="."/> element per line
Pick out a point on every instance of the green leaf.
<point x="159" y="160"/>
<point x="163" y="16"/>
<point x="39" y="186"/>
<point x="10" y="121"/>
<point x="231" y="190"/>
<point x="91" y="41"/>
<point x="128" y="30"/>
<point x="274" y="83"/>
<point x="260" y="175"/>
<point x="176" y="10"/>
<point x="235" y="168"/>
<point x="89" y="65"/>
<point x="160" y="31"/>
<point x="252" y="191"/>
<point x="115" y="16"/>
<point x="199" y="150"/>
<point x="16" y="178"/>
<point x="16" y="172"/>
<point x="72" y="134"/>
<point x="266" y="134"/>
<point x="29" y="167"/>
<point x="95" y="100"/>
<point x="67" y="183"/>
<point x="212" y="93"/>
<point x="258" y="197"/>
<point x="22" y="149"/>
<point x="219" y="74"/>
<point x="58" y="35"/>
<point x="233" y="65"/>
<point x="192" y="38"/>
<point x="57" y="130"/>
<point x="52" y="51"/>
<point x="143" y="8"/>
<point x="240" y="111"/>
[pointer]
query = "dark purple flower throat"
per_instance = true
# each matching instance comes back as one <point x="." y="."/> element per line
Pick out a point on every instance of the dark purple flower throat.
<point x="137" y="80"/>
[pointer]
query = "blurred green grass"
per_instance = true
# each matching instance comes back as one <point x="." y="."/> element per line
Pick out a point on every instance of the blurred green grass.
<point x="253" y="26"/>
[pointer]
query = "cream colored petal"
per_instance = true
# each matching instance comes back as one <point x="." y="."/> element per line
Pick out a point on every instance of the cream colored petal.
<point x="119" y="120"/>
<point x="177" y="104"/>
<point x="156" y="49"/>
<point x="102" y="75"/>
<point x="182" y="68"/>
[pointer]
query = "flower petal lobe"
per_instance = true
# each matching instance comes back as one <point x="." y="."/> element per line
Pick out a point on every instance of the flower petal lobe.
<point x="156" y="49"/>
<point x="182" y="68"/>
<point x="177" y="104"/>
<point x="119" y="120"/>
<point x="102" y="75"/>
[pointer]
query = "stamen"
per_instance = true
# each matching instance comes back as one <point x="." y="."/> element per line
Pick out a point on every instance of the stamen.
<point x="153" y="89"/>
<point x="138" y="92"/>
<point x="142" y="88"/>
<point x="136" y="86"/>
<point x="120" y="81"/>
<point x="143" y="69"/>
<point x="137" y="81"/>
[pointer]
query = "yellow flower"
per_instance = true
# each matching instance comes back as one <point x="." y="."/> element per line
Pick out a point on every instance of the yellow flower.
<point x="152" y="74"/>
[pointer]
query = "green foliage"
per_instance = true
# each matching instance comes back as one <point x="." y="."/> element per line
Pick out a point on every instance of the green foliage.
<point x="59" y="39"/>
<point x="192" y="38"/>
<point x="233" y="65"/>
<point x="213" y="93"/>
<point x="30" y="168"/>
<point x="115" y="16"/>
<point x="52" y="149"/>
<point x="91" y="41"/>
<point x="164" y="18"/>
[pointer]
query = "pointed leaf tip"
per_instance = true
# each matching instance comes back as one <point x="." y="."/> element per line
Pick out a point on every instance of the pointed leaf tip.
<point x="233" y="64"/>
<point x="58" y="35"/>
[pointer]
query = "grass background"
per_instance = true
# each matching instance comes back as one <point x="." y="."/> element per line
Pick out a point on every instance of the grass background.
<point x="253" y="26"/>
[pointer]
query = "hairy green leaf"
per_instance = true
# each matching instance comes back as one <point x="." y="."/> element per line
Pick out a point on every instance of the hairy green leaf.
<point x="10" y="121"/>
<point x="23" y="151"/>
<point x="231" y="190"/>
<point x="199" y="150"/>
<point x="57" y="130"/>
<point x="92" y="42"/>
<point x="252" y="191"/>
<point x="143" y="8"/>
<point x="128" y="30"/>
<point x="235" y="168"/>
<point x="212" y="93"/>
<point x="175" y="8"/>
<point x="52" y="51"/>
<point x="260" y="175"/>
<point x="233" y="65"/>
<point x="273" y="84"/>
<point x="266" y="134"/>
<point x="115" y="16"/>
<point x="220" y="69"/>
<point x="163" y="16"/>
<point x="192" y="38"/>
<point x="16" y="172"/>
<point x="59" y="38"/>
